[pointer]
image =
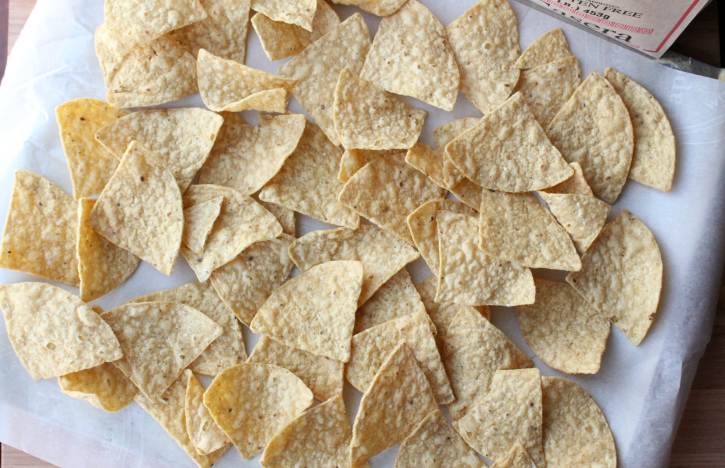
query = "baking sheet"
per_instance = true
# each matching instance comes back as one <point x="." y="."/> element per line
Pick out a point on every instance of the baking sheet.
<point x="642" y="390"/>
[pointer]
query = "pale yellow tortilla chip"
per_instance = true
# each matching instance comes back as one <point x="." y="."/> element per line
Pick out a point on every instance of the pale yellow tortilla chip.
<point x="241" y="223"/>
<point x="376" y="7"/>
<point x="317" y="70"/>
<point x="563" y="329"/>
<point x="381" y="254"/>
<point x="435" y="443"/>
<point x="159" y="339"/>
<point x="104" y="386"/>
<point x="575" y="185"/>
<point x="485" y="41"/>
<point x="395" y="403"/>
<point x="474" y="350"/>
<point x="180" y="139"/>
<point x="355" y="159"/>
<point x="198" y="221"/>
<point x="547" y="87"/>
<point x="653" y="162"/>
<point x="621" y="275"/>
<point x="448" y="132"/>
<point x="299" y="12"/>
<point x="322" y="375"/>
<point x="285" y="216"/>
<point x="550" y="47"/>
<point x="41" y="230"/>
<point x="367" y="117"/>
<point x="204" y="434"/>
<point x="252" y="402"/>
<point x="140" y="210"/>
<point x="431" y="162"/>
<point x="582" y="216"/>
<point x="53" y="332"/>
<point x="510" y="413"/>
<point x="411" y="56"/>
<point x="594" y="129"/>
<point x="576" y="432"/>
<point x="89" y="163"/>
<point x="396" y="298"/>
<point x="516" y="458"/>
<point x="468" y="192"/>
<point x="516" y="228"/>
<point x="307" y="182"/>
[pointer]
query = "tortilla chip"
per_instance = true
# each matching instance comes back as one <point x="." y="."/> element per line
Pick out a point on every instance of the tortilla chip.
<point x="411" y="56"/>
<point x="245" y="283"/>
<point x="371" y="347"/>
<point x="285" y="216"/>
<point x="317" y="70"/>
<point x="104" y="386"/>
<point x="563" y="329"/>
<point x="381" y="254"/>
<point x="474" y="350"/>
<point x="516" y="228"/>
<point x="322" y="375"/>
<point x="367" y="117"/>
<point x="40" y="320"/>
<point x="198" y="221"/>
<point x="299" y="12"/>
<point x="150" y="74"/>
<point x="653" y="162"/>
<point x="41" y="230"/>
<point x="376" y="7"/>
<point x="396" y="298"/>
<point x="395" y="403"/>
<point x="468" y="192"/>
<point x="280" y="40"/>
<point x="581" y="216"/>
<point x="621" y="275"/>
<point x="576" y="432"/>
<point x="204" y="434"/>
<point x="223" y="32"/>
<point x="159" y="339"/>
<point x="168" y="410"/>
<point x="386" y="193"/>
<point x="180" y="139"/>
<point x="593" y="128"/>
<point x="314" y="311"/>
<point x="355" y="159"/>
<point x="485" y="41"/>
<point x="140" y="210"/>
<point x="575" y="185"/>
<point x="89" y="163"/>
<point x="516" y="458"/>
<point x="430" y="162"/>
<point x="246" y="157"/>
<point x="551" y="47"/>
<point x="547" y="87"/>
<point x="510" y="413"/>
<point x="307" y="182"/>
<point x="241" y="223"/>
<point x="435" y="443"/>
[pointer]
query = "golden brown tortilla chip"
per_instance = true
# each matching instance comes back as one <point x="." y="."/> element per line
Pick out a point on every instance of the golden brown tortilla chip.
<point x="204" y="434"/>
<point x="396" y="298"/>
<point x="285" y="216"/>
<point x="431" y="162"/>
<point x="299" y="12"/>
<point x="355" y="159"/>
<point x="575" y="185"/>
<point x="104" y="386"/>
<point x="550" y="47"/>
<point x="468" y="192"/>
<point x="376" y="7"/>
<point x="198" y="221"/>
<point x="582" y="216"/>
<point x="547" y="87"/>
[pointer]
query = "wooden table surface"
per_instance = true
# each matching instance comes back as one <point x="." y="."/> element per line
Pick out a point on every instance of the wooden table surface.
<point x="700" y="441"/>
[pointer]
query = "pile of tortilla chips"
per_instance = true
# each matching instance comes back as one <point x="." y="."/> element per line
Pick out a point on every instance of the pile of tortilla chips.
<point x="353" y="312"/>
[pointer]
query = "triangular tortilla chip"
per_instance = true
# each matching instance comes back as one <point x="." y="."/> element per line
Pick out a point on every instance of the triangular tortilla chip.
<point x="411" y="56"/>
<point x="625" y="254"/>
<point x="551" y="47"/>
<point x="371" y="347"/>
<point x="241" y="223"/>
<point x="547" y="87"/>
<point x="246" y="157"/>
<point x="376" y="7"/>
<point x="653" y="162"/>
<point x="508" y="151"/>
<point x="252" y="402"/>
<point x="381" y="254"/>
<point x="321" y="374"/>
<point x="430" y="162"/>
<point x="299" y="12"/>
<point x="576" y="432"/>
<point x="575" y="185"/>
<point x="516" y="458"/>
<point x="204" y="434"/>
<point x="445" y="134"/>
<point x="314" y="311"/>
<point x="355" y="159"/>
<point x="367" y="117"/>
<point x="469" y="276"/>
<point x="474" y="350"/>
<point x="510" y="413"/>
<point x="396" y="401"/>
<point x="89" y="163"/>
<point x="563" y="329"/>
<point x="140" y="210"/>
<point x="485" y="41"/>
<point x="307" y="181"/>
<point x="317" y="70"/>
<point x="104" y="386"/>
<point x="593" y="128"/>
<point x="198" y="221"/>
<point x="516" y="228"/>
<point x="581" y="216"/>
<point x="102" y="266"/>
<point x="396" y="298"/>
<point x="159" y="339"/>
<point x="41" y="230"/>
<point x="168" y="410"/>
<point x="435" y="443"/>
<point x="285" y="216"/>
<point x="468" y="192"/>
<point x="53" y="332"/>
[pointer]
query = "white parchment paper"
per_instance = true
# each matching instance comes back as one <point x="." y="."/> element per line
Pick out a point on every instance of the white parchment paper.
<point x="642" y="390"/>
